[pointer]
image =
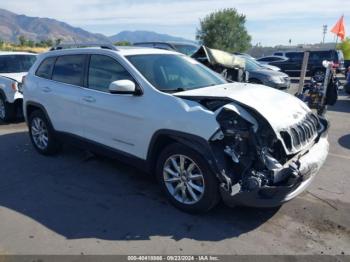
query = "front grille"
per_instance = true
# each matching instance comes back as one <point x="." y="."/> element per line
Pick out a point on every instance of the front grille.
<point x="301" y="134"/>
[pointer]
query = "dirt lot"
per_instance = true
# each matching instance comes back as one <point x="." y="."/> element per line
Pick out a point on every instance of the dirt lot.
<point x="75" y="204"/>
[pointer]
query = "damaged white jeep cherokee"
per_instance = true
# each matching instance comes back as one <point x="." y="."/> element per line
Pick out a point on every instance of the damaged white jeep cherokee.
<point x="204" y="138"/>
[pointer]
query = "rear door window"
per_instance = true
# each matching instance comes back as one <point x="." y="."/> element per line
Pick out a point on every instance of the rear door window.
<point x="69" y="69"/>
<point x="45" y="68"/>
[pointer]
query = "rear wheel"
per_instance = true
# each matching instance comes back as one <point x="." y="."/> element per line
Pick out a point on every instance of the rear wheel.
<point x="186" y="179"/>
<point x="42" y="134"/>
<point x="7" y="110"/>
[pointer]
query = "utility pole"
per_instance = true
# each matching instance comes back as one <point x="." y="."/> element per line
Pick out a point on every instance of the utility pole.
<point x="324" y="32"/>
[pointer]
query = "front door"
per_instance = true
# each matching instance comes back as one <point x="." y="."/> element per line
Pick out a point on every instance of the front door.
<point x="114" y="120"/>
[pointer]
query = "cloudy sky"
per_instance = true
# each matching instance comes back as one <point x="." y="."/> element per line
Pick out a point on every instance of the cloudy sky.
<point x="270" y="22"/>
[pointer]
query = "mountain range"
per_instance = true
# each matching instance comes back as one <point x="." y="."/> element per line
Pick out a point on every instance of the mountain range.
<point x="12" y="26"/>
<point x="145" y="36"/>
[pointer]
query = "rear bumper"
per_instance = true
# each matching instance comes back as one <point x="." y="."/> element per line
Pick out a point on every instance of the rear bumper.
<point x="269" y="196"/>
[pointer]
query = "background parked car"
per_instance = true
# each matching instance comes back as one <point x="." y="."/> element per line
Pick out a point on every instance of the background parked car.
<point x="266" y="60"/>
<point x="266" y="65"/>
<point x="230" y="66"/>
<point x="260" y="75"/>
<point x="184" y="48"/>
<point x="13" y="66"/>
<point x="293" y="65"/>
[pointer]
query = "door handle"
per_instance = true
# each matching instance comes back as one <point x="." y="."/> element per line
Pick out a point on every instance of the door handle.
<point x="89" y="99"/>
<point x="46" y="89"/>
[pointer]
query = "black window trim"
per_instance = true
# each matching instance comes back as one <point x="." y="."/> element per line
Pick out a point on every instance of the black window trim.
<point x="46" y="58"/>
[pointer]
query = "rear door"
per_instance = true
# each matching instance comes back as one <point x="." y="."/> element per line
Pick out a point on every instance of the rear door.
<point x="60" y="92"/>
<point x="294" y="62"/>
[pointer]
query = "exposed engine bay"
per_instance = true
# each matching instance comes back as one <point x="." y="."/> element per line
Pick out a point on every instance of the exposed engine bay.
<point x="250" y="154"/>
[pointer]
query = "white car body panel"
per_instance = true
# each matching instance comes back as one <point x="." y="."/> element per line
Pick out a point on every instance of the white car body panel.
<point x="181" y="115"/>
<point x="7" y="79"/>
<point x="280" y="109"/>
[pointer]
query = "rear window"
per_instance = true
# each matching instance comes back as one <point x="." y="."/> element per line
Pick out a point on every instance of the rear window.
<point x="69" y="69"/>
<point x="45" y="68"/>
<point x="144" y="44"/>
<point x="16" y="63"/>
<point x="331" y="55"/>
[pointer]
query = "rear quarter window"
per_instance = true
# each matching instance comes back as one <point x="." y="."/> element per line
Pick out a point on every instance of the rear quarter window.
<point x="45" y="68"/>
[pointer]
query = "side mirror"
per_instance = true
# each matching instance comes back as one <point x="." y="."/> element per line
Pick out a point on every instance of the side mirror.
<point x="123" y="87"/>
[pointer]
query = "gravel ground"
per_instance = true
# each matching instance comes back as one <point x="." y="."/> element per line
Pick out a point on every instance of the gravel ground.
<point x="77" y="204"/>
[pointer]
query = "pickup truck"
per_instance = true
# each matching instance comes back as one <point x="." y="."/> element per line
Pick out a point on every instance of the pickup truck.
<point x="13" y="67"/>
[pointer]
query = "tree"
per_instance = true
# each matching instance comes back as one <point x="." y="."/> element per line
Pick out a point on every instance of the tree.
<point x="58" y="41"/>
<point x="224" y="30"/>
<point x="22" y="40"/>
<point x="122" y="43"/>
<point x="30" y="43"/>
<point x="345" y="47"/>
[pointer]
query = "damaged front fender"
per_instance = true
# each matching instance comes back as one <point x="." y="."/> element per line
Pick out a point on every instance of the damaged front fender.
<point x="297" y="175"/>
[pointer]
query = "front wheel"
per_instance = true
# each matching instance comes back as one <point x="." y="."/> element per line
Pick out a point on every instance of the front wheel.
<point x="186" y="179"/>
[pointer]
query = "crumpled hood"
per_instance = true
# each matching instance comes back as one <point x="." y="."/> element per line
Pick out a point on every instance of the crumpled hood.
<point x="280" y="109"/>
<point x="15" y="76"/>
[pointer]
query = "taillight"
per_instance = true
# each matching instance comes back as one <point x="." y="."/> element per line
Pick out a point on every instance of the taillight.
<point x="14" y="86"/>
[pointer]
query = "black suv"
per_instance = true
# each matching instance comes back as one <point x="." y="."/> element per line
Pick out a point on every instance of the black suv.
<point x="292" y="66"/>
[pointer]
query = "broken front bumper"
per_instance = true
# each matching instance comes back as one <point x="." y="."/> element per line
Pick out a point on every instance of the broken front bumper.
<point x="269" y="196"/>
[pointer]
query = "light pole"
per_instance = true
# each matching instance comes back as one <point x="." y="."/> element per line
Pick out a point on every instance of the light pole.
<point x="324" y="32"/>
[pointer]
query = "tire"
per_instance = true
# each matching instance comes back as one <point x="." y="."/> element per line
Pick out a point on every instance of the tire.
<point x="319" y="75"/>
<point x="42" y="134"/>
<point x="7" y="110"/>
<point x="197" y="176"/>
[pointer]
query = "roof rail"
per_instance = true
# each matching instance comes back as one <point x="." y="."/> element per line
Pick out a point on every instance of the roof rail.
<point x="82" y="45"/>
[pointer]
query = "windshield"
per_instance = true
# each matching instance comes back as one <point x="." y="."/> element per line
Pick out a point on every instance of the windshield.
<point x="173" y="73"/>
<point x="16" y="63"/>
<point x="252" y="65"/>
<point x="186" y="49"/>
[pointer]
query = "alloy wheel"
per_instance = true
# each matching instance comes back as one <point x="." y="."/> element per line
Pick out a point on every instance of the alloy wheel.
<point x="39" y="133"/>
<point x="183" y="179"/>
